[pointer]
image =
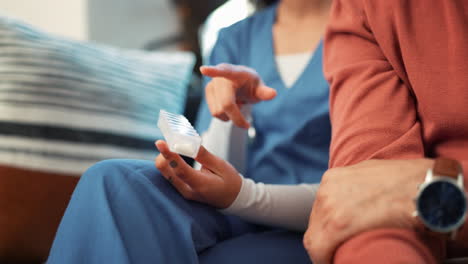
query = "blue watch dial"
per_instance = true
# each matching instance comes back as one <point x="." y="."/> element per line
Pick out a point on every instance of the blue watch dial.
<point x="441" y="205"/>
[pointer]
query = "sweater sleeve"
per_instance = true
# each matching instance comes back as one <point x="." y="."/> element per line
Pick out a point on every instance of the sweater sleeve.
<point x="372" y="110"/>
<point x="286" y="206"/>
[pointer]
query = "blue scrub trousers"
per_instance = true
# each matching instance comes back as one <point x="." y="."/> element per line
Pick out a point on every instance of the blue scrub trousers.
<point x="124" y="211"/>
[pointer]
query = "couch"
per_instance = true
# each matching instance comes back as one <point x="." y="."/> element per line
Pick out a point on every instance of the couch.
<point x="65" y="105"/>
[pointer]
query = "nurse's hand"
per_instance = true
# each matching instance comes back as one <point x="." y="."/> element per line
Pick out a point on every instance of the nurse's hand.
<point x="232" y="86"/>
<point x="216" y="184"/>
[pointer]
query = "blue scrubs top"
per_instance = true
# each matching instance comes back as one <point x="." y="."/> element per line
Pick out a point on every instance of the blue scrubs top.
<point x="293" y="130"/>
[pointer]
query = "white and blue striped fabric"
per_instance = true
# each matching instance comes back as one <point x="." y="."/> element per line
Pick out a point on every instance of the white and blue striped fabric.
<point x="65" y="105"/>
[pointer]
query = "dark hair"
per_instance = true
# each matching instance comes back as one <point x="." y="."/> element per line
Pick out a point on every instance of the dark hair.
<point x="263" y="3"/>
<point x="192" y="14"/>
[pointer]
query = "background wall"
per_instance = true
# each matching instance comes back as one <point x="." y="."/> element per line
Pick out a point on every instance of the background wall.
<point x="124" y="23"/>
<point x="131" y="23"/>
<point x="121" y="23"/>
<point x="67" y="18"/>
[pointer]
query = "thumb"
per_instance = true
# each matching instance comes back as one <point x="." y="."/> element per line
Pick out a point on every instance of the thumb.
<point x="265" y="93"/>
<point x="208" y="160"/>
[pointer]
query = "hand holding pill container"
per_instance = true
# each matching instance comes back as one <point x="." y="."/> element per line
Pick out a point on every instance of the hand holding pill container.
<point x="180" y="135"/>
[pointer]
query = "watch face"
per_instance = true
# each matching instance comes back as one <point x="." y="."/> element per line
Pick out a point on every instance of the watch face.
<point x="442" y="206"/>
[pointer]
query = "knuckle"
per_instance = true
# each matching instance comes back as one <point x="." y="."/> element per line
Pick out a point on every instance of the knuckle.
<point x="321" y="198"/>
<point x="311" y="246"/>
<point x="323" y="206"/>
<point x="337" y="222"/>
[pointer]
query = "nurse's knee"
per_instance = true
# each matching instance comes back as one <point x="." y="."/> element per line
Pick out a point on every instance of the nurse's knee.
<point x="114" y="173"/>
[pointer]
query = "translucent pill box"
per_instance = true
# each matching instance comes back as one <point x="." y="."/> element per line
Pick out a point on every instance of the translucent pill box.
<point x="180" y="135"/>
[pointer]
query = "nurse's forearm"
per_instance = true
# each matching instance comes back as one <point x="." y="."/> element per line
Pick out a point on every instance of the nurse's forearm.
<point x="286" y="206"/>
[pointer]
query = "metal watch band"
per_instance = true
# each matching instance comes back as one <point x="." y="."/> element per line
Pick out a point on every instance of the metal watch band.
<point x="447" y="167"/>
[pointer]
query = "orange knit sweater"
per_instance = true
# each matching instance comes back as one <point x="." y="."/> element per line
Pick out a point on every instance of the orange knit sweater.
<point x="398" y="71"/>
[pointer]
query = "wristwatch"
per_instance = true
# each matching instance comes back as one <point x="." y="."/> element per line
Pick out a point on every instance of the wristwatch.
<point x="441" y="201"/>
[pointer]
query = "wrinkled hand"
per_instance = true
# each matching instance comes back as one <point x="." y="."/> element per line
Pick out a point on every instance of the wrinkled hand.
<point x="232" y="86"/>
<point x="216" y="184"/>
<point x="372" y="194"/>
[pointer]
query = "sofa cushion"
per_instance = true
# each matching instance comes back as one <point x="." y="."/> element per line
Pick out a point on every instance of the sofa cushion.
<point x="65" y="105"/>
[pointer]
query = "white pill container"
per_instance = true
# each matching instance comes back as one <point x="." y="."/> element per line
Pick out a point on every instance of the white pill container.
<point x="179" y="134"/>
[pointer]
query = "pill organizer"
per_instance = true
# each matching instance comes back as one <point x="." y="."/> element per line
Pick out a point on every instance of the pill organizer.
<point x="179" y="134"/>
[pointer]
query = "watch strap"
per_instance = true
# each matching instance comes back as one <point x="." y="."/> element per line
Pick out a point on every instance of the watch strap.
<point x="447" y="167"/>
